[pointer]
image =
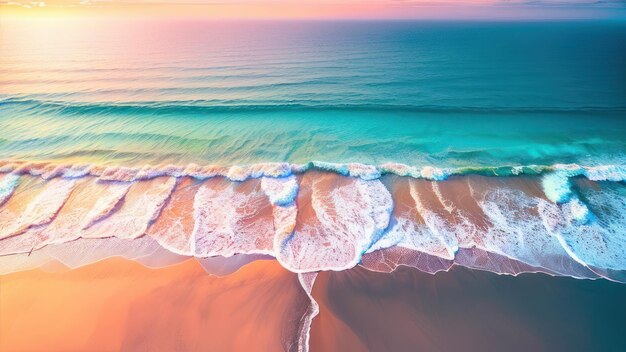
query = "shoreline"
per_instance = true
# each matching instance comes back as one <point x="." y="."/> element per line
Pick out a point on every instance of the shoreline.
<point x="120" y="304"/>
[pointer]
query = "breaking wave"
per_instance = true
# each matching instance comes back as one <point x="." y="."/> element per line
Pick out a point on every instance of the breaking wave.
<point x="50" y="102"/>
<point x="565" y="220"/>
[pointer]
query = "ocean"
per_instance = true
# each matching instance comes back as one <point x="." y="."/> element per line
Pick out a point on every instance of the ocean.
<point x="342" y="150"/>
<point x="442" y="94"/>
<point x="320" y="142"/>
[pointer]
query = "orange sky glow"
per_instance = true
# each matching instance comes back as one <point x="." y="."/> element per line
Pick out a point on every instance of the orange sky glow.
<point x="317" y="9"/>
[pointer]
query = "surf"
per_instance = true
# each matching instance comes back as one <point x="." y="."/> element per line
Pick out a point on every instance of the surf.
<point x="325" y="216"/>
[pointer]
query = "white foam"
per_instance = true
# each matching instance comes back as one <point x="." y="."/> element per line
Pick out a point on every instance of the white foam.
<point x="578" y="211"/>
<point x="614" y="173"/>
<point x="447" y="205"/>
<point x="106" y="203"/>
<point x="117" y="173"/>
<point x="173" y="228"/>
<point x="476" y="258"/>
<point x="306" y="281"/>
<point x="281" y="191"/>
<point x="285" y="220"/>
<point x="52" y="171"/>
<point x="442" y="241"/>
<point x="66" y="225"/>
<point x="517" y="232"/>
<point x="400" y="170"/>
<point x="23" y="243"/>
<point x="76" y="171"/>
<point x="411" y="235"/>
<point x="407" y="231"/>
<point x="609" y="172"/>
<point x="230" y="221"/>
<point x="434" y="173"/>
<point x="363" y="171"/>
<point x="389" y="259"/>
<point x="141" y="205"/>
<point x="242" y="173"/>
<point x="149" y="172"/>
<point x="556" y="186"/>
<point x="42" y="208"/>
<point x="327" y="221"/>
<point x="8" y="183"/>
<point x="346" y="219"/>
<point x="599" y="242"/>
<point x="80" y="209"/>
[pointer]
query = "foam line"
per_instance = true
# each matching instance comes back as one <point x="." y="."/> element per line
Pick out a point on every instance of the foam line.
<point x="48" y="170"/>
<point x="41" y="209"/>
<point x="106" y="204"/>
<point x="307" y="280"/>
<point x="321" y="220"/>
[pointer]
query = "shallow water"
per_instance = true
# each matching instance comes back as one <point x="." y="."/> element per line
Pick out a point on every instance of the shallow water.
<point x="325" y="145"/>
<point x="316" y="142"/>
<point x="320" y="220"/>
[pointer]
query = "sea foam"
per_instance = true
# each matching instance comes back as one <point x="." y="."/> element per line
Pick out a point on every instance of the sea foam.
<point x="324" y="216"/>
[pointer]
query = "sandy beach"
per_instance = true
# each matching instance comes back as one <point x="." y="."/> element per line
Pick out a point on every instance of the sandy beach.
<point x="117" y="304"/>
<point x="465" y="310"/>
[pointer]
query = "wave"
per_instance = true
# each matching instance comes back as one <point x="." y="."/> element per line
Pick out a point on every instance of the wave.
<point x="323" y="216"/>
<point x="226" y="106"/>
<point x="556" y="181"/>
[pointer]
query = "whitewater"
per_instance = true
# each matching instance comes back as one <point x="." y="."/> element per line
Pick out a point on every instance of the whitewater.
<point x="566" y="220"/>
<point x="323" y="146"/>
<point x="561" y="220"/>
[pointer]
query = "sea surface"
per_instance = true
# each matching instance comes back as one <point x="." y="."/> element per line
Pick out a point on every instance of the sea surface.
<point x="489" y="145"/>
<point x="443" y="94"/>
<point x="492" y="146"/>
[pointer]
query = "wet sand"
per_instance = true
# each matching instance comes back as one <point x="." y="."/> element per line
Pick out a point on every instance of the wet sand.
<point x="118" y="304"/>
<point x="465" y="310"/>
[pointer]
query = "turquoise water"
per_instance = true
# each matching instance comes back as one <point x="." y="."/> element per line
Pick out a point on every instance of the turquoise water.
<point x="431" y="121"/>
<point x="231" y="114"/>
<point x="418" y="93"/>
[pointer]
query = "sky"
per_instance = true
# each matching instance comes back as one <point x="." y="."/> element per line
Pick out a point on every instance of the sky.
<point x="318" y="9"/>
